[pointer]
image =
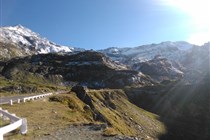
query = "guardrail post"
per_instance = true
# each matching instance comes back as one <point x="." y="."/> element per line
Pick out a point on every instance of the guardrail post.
<point x="18" y="101"/>
<point x="24" y="100"/>
<point x="1" y="113"/>
<point x="1" y="136"/>
<point x="23" y="127"/>
<point x="11" y="103"/>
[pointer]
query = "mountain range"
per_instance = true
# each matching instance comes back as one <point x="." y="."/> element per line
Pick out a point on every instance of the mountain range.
<point x="30" y="42"/>
<point x="170" y="79"/>
<point x="163" y="61"/>
<point x="170" y="50"/>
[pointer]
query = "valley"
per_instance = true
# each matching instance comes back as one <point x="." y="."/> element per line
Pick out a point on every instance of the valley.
<point x="157" y="91"/>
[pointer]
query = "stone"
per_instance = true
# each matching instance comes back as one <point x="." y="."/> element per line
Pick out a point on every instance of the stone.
<point x="87" y="107"/>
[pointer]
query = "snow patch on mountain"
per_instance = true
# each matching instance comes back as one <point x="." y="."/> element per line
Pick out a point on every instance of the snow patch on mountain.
<point x="30" y="41"/>
<point x="170" y="50"/>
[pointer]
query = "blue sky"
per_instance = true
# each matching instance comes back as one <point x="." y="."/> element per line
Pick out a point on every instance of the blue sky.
<point x="98" y="24"/>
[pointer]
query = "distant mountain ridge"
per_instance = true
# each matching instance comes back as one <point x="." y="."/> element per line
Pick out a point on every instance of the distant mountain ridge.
<point x="170" y="50"/>
<point x="179" y="57"/>
<point x="23" y="42"/>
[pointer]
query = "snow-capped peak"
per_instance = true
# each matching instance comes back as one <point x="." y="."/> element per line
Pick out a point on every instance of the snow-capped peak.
<point x="30" y="41"/>
<point x="168" y="49"/>
<point x="21" y="30"/>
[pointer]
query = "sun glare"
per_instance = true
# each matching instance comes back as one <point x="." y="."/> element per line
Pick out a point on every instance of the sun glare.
<point x="198" y="12"/>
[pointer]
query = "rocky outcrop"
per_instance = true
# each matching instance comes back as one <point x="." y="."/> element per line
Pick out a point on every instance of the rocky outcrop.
<point x="159" y="69"/>
<point x="82" y="95"/>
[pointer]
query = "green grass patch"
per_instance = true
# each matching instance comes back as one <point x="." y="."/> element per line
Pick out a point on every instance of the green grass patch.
<point x="44" y="117"/>
<point x="49" y="115"/>
<point x="127" y="118"/>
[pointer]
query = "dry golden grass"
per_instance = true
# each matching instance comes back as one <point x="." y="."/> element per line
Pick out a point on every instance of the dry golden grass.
<point x="4" y="122"/>
<point x="109" y="132"/>
<point x="46" y="117"/>
<point x="127" y="118"/>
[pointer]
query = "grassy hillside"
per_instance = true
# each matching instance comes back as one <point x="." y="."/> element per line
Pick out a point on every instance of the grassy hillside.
<point x="26" y="84"/>
<point x="113" y="107"/>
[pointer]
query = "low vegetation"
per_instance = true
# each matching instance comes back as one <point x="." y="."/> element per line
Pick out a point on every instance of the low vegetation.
<point x="45" y="117"/>
<point x="3" y="122"/>
<point x="124" y="117"/>
<point x="59" y="111"/>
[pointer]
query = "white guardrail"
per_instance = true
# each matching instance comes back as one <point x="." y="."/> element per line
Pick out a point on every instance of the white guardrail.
<point x="15" y="121"/>
<point x="36" y="97"/>
<point x="31" y="98"/>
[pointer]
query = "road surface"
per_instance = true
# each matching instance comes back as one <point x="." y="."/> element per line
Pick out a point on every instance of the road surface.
<point x="6" y="100"/>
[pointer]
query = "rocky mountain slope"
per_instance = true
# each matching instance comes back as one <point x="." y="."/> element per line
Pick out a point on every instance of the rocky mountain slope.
<point x="170" y="50"/>
<point x="87" y="68"/>
<point x="159" y="69"/>
<point x="182" y="58"/>
<point x="21" y="41"/>
<point x="183" y="105"/>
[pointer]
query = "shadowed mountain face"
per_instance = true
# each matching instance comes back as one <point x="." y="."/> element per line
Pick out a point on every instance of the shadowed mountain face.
<point x="184" y="107"/>
<point x="91" y="69"/>
<point x="197" y="64"/>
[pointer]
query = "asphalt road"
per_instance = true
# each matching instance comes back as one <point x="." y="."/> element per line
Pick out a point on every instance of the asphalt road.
<point x="6" y="100"/>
